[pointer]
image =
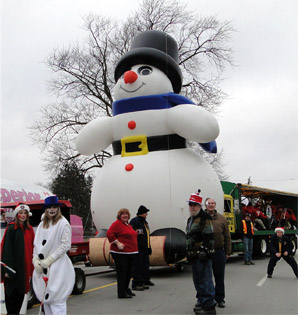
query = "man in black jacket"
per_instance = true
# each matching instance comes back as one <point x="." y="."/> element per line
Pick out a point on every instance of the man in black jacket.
<point x="141" y="275"/>
<point x="281" y="247"/>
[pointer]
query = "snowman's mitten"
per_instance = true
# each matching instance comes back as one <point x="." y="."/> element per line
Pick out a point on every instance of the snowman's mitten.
<point x="46" y="263"/>
<point x="37" y="264"/>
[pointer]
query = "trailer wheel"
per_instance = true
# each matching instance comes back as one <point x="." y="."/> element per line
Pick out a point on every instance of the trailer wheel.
<point x="80" y="282"/>
<point x="260" y="246"/>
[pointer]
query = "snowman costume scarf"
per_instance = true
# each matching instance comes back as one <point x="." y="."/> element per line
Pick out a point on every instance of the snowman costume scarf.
<point x="54" y="241"/>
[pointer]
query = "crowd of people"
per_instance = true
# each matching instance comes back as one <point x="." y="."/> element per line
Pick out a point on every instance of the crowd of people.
<point x="279" y="216"/>
<point x="39" y="256"/>
<point x="130" y="248"/>
<point x="208" y="244"/>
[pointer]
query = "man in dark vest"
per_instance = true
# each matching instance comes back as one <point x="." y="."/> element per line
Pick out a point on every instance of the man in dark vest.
<point x="247" y="230"/>
<point x="141" y="274"/>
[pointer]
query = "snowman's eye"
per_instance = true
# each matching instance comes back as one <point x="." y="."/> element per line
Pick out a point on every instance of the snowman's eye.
<point x="145" y="70"/>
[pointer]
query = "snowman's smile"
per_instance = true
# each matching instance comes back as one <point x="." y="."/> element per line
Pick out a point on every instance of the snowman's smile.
<point x="143" y="83"/>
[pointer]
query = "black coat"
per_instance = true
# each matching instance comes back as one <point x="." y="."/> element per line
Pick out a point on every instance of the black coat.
<point x="139" y="223"/>
<point x="286" y="244"/>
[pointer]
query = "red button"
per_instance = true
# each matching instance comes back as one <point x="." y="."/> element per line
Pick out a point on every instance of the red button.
<point x="129" y="167"/>
<point x="132" y="124"/>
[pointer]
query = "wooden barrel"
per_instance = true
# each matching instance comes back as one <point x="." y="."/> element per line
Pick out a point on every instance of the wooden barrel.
<point x="99" y="252"/>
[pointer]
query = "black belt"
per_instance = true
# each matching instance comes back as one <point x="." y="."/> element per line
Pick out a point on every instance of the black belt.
<point x="154" y="143"/>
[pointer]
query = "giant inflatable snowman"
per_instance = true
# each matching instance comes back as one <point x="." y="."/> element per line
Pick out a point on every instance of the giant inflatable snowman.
<point x="151" y="165"/>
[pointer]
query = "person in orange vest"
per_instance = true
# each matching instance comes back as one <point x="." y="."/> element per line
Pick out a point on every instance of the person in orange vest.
<point x="247" y="229"/>
<point x="281" y="247"/>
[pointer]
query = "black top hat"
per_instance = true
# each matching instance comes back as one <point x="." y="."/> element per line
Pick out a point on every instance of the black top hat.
<point x="154" y="48"/>
<point x="142" y="209"/>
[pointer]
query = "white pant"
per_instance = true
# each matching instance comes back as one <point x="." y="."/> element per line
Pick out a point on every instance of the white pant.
<point x="55" y="309"/>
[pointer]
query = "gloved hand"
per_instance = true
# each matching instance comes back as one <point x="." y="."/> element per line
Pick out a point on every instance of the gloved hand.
<point x="37" y="264"/>
<point x="46" y="263"/>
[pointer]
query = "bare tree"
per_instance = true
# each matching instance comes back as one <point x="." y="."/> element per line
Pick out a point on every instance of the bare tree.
<point x="83" y="73"/>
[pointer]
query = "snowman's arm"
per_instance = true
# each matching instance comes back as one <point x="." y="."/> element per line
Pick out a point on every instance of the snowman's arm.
<point x="95" y="136"/>
<point x="193" y="123"/>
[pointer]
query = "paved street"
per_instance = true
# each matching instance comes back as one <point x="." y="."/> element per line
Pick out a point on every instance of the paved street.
<point x="248" y="291"/>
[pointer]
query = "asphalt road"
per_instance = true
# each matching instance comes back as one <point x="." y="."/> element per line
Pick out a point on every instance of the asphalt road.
<point x="248" y="291"/>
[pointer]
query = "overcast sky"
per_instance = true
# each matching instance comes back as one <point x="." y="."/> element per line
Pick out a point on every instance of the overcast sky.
<point x="258" y="122"/>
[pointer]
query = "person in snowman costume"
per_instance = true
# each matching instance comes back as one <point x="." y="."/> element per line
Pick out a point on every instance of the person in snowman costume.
<point x="151" y="164"/>
<point x="51" y="244"/>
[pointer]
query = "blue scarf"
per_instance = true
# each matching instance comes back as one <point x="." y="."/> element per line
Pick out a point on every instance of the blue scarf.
<point x="158" y="101"/>
<point x="148" y="102"/>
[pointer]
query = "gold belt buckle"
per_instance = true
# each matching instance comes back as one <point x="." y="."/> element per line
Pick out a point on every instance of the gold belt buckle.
<point x="143" y="145"/>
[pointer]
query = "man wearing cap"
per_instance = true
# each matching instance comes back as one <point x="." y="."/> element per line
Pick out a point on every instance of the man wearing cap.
<point x="200" y="246"/>
<point x="141" y="275"/>
<point x="247" y="229"/>
<point x="281" y="247"/>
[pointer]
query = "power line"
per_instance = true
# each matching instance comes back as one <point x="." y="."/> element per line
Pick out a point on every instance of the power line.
<point x="269" y="180"/>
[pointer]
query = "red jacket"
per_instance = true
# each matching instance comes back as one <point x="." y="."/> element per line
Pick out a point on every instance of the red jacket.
<point x="291" y="214"/>
<point x="257" y="214"/>
<point x="125" y="234"/>
<point x="260" y="214"/>
<point x="17" y="252"/>
<point x="247" y="209"/>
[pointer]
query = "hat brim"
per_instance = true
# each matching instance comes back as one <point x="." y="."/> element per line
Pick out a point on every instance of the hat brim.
<point x="154" y="57"/>
<point x="190" y="201"/>
<point x="139" y="213"/>
<point x="45" y="207"/>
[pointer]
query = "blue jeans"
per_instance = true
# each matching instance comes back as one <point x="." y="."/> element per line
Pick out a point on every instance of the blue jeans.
<point x="202" y="279"/>
<point x="248" y="243"/>
<point x="218" y="266"/>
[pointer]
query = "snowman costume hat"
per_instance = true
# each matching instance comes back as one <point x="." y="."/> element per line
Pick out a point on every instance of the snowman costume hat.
<point x="154" y="48"/>
<point x="51" y="201"/>
<point x="21" y="207"/>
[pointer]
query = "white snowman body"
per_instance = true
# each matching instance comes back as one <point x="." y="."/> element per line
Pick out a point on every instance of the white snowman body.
<point x="161" y="180"/>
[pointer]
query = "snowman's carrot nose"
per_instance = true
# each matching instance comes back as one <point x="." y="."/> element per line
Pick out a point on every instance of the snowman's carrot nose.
<point x="130" y="77"/>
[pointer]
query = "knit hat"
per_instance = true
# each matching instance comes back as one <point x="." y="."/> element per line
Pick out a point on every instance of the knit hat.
<point x="142" y="209"/>
<point x="153" y="48"/>
<point x="281" y="229"/>
<point x="196" y="198"/>
<point x="51" y="201"/>
<point x="21" y="207"/>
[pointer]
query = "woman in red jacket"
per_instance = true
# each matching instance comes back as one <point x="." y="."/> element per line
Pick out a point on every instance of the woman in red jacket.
<point x="16" y="253"/>
<point x="124" y="246"/>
